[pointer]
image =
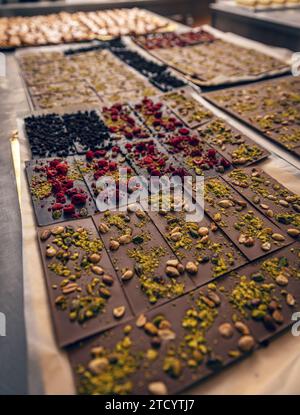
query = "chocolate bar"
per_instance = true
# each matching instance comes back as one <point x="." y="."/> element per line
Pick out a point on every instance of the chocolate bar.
<point x="231" y="143"/>
<point x="147" y="268"/>
<point x="58" y="191"/>
<point x="269" y="196"/>
<point x="84" y="292"/>
<point x="252" y="232"/>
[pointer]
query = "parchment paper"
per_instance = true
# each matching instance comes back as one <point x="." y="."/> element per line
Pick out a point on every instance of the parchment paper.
<point x="275" y="370"/>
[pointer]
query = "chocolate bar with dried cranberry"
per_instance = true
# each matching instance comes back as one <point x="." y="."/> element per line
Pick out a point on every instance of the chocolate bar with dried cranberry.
<point x="107" y="174"/>
<point x="58" y="191"/>
<point x="171" y="39"/>
<point x="194" y="154"/>
<point x="150" y="159"/>
<point x="158" y="117"/>
<point x="123" y="123"/>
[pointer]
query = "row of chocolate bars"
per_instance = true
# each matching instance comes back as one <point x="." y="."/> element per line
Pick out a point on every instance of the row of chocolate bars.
<point x="111" y="72"/>
<point x="145" y="301"/>
<point x="135" y="270"/>
<point x="153" y="137"/>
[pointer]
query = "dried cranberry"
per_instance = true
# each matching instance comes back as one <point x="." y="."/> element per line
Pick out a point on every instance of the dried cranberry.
<point x="69" y="209"/>
<point x="62" y="168"/>
<point x="112" y="166"/>
<point x="100" y="153"/>
<point x="51" y="172"/>
<point x="89" y="155"/>
<point x="60" y="197"/>
<point x="102" y="163"/>
<point x="78" y="198"/>
<point x="225" y="163"/>
<point x="54" y="163"/>
<point x="56" y="186"/>
<point x="68" y="184"/>
<point x="116" y="149"/>
<point x="155" y="172"/>
<point x="211" y="153"/>
<point x="183" y="131"/>
<point x="57" y="206"/>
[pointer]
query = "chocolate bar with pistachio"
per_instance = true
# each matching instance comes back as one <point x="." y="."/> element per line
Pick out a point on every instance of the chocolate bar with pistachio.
<point x="204" y="250"/>
<point x="250" y="230"/>
<point x="270" y="197"/>
<point x="184" y="341"/>
<point x="231" y="143"/>
<point x="149" y="271"/>
<point x="84" y="292"/>
<point x="187" y="108"/>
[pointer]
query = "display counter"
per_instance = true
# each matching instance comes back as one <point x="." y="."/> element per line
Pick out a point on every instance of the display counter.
<point x="275" y="27"/>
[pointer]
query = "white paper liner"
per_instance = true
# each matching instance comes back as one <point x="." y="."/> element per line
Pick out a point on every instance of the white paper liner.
<point x="274" y="370"/>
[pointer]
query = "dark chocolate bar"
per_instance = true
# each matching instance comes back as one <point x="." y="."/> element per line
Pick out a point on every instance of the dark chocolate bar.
<point x="58" y="191"/>
<point x="84" y="292"/>
<point x="149" y="271"/>
<point x="252" y="232"/>
<point x="231" y="143"/>
<point x="270" y="197"/>
<point x="201" y="246"/>
<point x="187" y="108"/>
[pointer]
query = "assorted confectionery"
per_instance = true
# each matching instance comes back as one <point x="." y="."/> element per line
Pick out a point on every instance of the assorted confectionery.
<point x="268" y="4"/>
<point x="145" y="301"/>
<point x="215" y="61"/>
<point x="63" y="27"/>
